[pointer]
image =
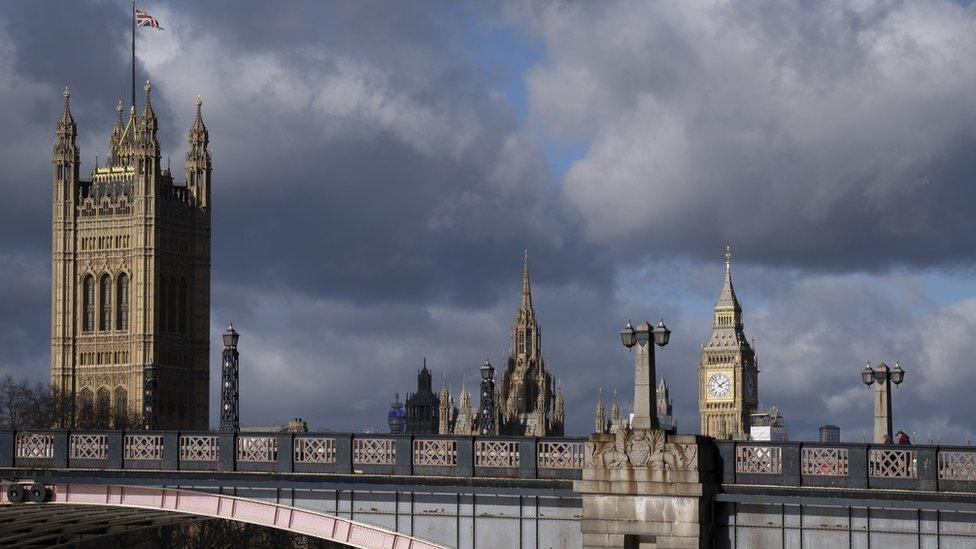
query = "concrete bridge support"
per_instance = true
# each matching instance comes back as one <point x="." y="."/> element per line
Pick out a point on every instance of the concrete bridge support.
<point x="645" y="488"/>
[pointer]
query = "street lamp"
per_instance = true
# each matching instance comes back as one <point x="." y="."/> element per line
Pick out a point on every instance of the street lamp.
<point x="645" y="379"/>
<point x="897" y="374"/>
<point x="867" y="375"/>
<point x="628" y="335"/>
<point x="486" y="425"/>
<point x="882" y="377"/>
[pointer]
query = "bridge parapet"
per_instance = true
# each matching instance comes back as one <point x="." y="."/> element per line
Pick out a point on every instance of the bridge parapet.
<point x="341" y="453"/>
<point x="927" y="468"/>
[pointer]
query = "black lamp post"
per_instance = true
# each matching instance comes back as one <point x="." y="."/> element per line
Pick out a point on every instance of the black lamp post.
<point x="230" y="414"/>
<point x="486" y="425"/>
<point x="645" y="378"/>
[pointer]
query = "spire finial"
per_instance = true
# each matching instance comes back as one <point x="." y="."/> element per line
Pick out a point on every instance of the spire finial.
<point x="728" y="257"/>
<point x="118" y="110"/>
<point x="66" y="94"/>
<point x="526" y="287"/>
<point x="199" y="103"/>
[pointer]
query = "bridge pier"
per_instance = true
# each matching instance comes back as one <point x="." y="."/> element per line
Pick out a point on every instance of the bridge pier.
<point x="645" y="488"/>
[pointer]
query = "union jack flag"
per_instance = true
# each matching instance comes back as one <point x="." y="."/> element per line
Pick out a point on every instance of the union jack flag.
<point x="143" y="19"/>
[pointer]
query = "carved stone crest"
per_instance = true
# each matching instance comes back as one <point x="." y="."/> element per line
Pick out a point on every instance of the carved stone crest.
<point x="642" y="448"/>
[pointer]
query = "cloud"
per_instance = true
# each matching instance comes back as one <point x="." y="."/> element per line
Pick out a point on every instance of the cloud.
<point x="373" y="191"/>
<point x="826" y="135"/>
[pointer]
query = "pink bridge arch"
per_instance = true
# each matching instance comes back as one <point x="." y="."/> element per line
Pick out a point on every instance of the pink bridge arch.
<point x="301" y="521"/>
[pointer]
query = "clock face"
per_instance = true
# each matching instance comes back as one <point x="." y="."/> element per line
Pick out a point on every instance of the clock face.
<point x="750" y="387"/>
<point x="719" y="385"/>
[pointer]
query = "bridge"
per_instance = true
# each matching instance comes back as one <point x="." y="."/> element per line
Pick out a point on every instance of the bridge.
<point x="454" y="491"/>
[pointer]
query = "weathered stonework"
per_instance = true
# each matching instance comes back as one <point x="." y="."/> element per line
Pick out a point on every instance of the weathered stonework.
<point x="646" y="488"/>
<point x="131" y="275"/>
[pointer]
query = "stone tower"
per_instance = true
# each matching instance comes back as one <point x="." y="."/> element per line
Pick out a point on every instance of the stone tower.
<point x="727" y="387"/>
<point x="423" y="406"/>
<point x="131" y="276"/>
<point x="527" y="401"/>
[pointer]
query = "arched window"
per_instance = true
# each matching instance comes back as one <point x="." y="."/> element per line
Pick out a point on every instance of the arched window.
<point x="172" y="307"/>
<point x="184" y="306"/>
<point x="86" y="408"/>
<point x="122" y="303"/>
<point x="102" y="408"/>
<point x="121" y="408"/>
<point x="88" y="304"/>
<point x="163" y="302"/>
<point x="105" y="291"/>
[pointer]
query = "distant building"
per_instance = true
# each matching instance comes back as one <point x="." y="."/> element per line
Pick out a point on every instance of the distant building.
<point x="526" y="403"/>
<point x="397" y="418"/>
<point x="295" y="425"/>
<point x="728" y="375"/>
<point x="830" y="433"/>
<point x="423" y="406"/>
<point x="768" y="425"/>
<point x="529" y="406"/>
<point x="664" y="416"/>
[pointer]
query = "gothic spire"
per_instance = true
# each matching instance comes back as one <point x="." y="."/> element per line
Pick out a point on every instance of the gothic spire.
<point x="116" y="138"/>
<point x="66" y="119"/>
<point x="148" y="124"/>
<point x="65" y="146"/>
<point x="198" y="132"/>
<point x="526" y="302"/>
<point x="727" y="299"/>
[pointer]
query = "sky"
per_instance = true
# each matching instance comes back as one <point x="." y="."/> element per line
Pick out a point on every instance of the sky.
<point x="380" y="166"/>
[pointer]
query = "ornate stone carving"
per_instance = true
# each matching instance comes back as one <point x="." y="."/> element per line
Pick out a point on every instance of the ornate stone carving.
<point x="642" y="449"/>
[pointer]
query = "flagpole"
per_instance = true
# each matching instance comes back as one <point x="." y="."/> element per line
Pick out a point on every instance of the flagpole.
<point x="133" y="53"/>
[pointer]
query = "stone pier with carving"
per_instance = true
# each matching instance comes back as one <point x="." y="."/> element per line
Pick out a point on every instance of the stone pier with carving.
<point x="646" y="488"/>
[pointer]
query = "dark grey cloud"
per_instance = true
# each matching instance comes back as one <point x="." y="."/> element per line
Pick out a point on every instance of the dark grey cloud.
<point x="830" y="135"/>
<point x="373" y="191"/>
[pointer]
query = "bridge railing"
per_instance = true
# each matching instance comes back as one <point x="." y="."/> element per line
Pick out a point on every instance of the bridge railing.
<point x="817" y="464"/>
<point x="344" y="453"/>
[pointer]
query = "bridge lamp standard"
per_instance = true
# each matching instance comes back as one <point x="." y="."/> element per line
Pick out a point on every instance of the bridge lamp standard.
<point x="645" y="378"/>
<point x="882" y="377"/>
<point x="486" y="425"/>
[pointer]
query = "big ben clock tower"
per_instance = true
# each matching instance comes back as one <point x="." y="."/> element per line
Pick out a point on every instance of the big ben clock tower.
<point x="727" y="386"/>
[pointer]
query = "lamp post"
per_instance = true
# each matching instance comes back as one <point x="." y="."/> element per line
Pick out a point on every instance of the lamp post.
<point x="487" y="424"/>
<point x="882" y="377"/>
<point x="645" y="378"/>
<point x="230" y="407"/>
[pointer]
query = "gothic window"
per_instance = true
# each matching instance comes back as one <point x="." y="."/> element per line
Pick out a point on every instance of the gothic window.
<point x="184" y="306"/>
<point x="172" y="307"/>
<point x="88" y="304"/>
<point x="102" y="402"/>
<point x="122" y="302"/>
<point x="121" y="407"/>
<point x="105" y="291"/>
<point x="86" y="409"/>
<point x="163" y="302"/>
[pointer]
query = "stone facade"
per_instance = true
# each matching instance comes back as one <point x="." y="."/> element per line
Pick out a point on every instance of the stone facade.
<point x="528" y="403"/>
<point x="728" y="390"/>
<point x="131" y="273"/>
<point x="646" y="487"/>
